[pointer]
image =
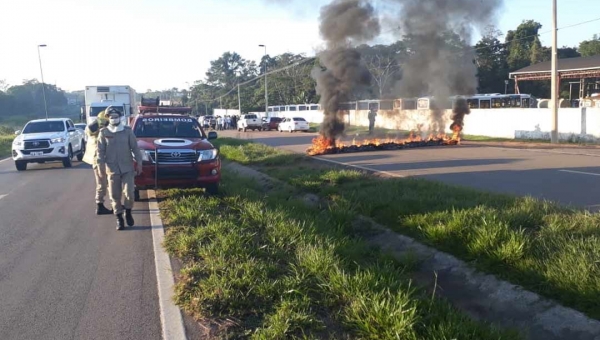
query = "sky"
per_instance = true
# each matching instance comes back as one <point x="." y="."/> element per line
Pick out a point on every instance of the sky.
<point x="161" y="44"/>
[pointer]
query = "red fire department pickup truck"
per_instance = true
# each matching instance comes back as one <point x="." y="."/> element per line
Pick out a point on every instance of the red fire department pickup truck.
<point x="176" y="150"/>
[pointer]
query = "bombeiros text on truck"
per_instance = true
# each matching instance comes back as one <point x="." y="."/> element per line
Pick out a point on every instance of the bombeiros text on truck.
<point x="176" y="149"/>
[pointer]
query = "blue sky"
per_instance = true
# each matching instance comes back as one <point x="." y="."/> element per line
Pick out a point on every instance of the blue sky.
<point x="158" y="44"/>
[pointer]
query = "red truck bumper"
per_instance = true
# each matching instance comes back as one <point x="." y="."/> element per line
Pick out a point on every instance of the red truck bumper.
<point x="179" y="176"/>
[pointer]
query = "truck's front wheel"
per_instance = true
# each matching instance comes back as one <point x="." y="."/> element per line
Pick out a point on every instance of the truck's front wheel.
<point x="81" y="152"/>
<point x="67" y="161"/>
<point x="20" y="165"/>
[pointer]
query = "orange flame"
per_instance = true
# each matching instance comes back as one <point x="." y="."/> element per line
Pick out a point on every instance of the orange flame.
<point x="323" y="145"/>
<point x="456" y="135"/>
<point x="320" y="145"/>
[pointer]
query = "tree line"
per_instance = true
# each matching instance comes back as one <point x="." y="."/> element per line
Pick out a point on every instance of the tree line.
<point x="494" y="59"/>
<point x="27" y="101"/>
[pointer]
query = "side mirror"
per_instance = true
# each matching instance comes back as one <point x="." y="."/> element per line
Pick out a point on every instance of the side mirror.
<point x="71" y="129"/>
<point x="212" y="135"/>
<point x="18" y="132"/>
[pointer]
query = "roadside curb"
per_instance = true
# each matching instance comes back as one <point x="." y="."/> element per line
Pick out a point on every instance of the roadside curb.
<point x="170" y="315"/>
<point x="481" y="295"/>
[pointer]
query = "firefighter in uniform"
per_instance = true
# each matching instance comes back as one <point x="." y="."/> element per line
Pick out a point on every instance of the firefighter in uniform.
<point x="117" y="149"/>
<point x="91" y="153"/>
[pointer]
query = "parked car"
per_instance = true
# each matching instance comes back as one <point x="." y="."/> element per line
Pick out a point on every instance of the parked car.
<point x="177" y="153"/>
<point x="293" y="124"/>
<point x="271" y="123"/>
<point x="209" y="122"/>
<point x="81" y="126"/>
<point x="48" y="140"/>
<point x="249" y="121"/>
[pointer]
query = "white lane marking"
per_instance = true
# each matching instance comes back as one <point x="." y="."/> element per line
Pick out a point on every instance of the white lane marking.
<point x="580" y="172"/>
<point x="170" y="315"/>
<point x="4" y="160"/>
<point x="2" y="196"/>
<point x="361" y="167"/>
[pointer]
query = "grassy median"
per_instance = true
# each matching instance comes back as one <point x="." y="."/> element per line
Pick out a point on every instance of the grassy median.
<point x="6" y="137"/>
<point x="544" y="247"/>
<point x="5" y="145"/>
<point x="260" y="265"/>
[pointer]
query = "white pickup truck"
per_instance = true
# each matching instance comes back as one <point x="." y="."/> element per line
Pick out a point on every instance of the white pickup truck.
<point x="250" y="121"/>
<point x="42" y="140"/>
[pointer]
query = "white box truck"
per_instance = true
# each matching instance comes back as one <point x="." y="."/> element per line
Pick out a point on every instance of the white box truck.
<point x="98" y="98"/>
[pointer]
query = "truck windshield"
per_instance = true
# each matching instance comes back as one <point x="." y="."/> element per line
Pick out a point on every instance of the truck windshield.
<point x="250" y="117"/>
<point x="166" y="127"/>
<point x="47" y="126"/>
<point x="95" y="111"/>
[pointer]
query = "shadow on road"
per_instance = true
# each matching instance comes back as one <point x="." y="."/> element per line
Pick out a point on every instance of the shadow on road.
<point x="570" y="189"/>
<point x="454" y="163"/>
<point x="136" y="228"/>
<point x="49" y="167"/>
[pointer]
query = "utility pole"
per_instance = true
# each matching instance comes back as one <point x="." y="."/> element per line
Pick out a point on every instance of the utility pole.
<point x="239" y="100"/>
<point x="554" y="79"/>
<point x="266" y="91"/>
<point x="43" y="85"/>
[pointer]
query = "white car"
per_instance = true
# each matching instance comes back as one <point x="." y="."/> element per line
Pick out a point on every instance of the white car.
<point x="249" y="122"/>
<point x="48" y="140"/>
<point x="82" y="126"/>
<point x="293" y="124"/>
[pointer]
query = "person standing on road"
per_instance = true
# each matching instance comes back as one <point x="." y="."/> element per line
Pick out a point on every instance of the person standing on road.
<point x="90" y="157"/>
<point x="372" y="116"/>
<point x="117" y="149"/>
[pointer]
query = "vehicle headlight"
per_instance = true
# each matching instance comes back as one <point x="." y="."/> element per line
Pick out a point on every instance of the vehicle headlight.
<point x="207" y="155"/>
<point x="146" y="155"/>
<point x="58" y="140"/>
<point x="17" y="142"/>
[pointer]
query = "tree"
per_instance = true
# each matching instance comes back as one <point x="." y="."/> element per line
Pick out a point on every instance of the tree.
<point x="293" y="84"/>
<point x="520" y="42"/>
<point x="568" y="52"/>
<point x="591" y="47"/>
<point x="383" y="62"/>
<point x="27" y="101"/>
<point x="226" y="72"/>
<point x="492" y="69"/>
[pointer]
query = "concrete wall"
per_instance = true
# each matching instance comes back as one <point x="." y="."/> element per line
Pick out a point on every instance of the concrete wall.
<point x="573" y="123"/>
<point x="310" y="116"/>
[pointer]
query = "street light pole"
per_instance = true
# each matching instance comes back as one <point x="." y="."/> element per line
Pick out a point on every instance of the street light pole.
<point x="554" y="77"/>
<point x="239" y="100"/>
<point x="43" y="85"/>
<point x="266" y="91"/>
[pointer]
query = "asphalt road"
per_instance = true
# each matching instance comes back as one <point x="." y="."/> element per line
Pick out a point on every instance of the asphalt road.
<point x="568" y="176"/>
<point x="66" y="273"/>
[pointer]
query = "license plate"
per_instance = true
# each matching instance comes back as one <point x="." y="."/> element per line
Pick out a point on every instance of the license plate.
<point x="37" y="153"/>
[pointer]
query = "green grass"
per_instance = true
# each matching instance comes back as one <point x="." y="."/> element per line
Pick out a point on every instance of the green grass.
<point x="281" y="270"/>
<point x="544" y="247"/>
<point x="6" y="138"/>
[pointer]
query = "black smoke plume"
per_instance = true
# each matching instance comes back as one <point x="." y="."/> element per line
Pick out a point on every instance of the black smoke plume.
<point x="344" y="23"/>
<point x="438" y="34"/>
<point x="461" y="108"/>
